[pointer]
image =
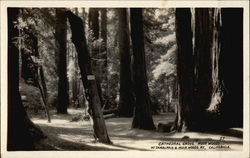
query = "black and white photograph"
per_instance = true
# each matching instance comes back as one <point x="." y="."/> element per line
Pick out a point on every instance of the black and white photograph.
<point x="125" y="78"/>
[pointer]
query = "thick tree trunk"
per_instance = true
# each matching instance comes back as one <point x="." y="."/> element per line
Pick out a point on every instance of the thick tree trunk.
<point x="185" y="69"/>
<point x="231" y="66"/>
<point x="126" y="99"/>
<point x="143" y="115"/>
<point x="90" y="85"/>
<point x="60" y="36"/>
<point x="203" y="64"/>
<point x="206" y="101"/>
<point x="21" y="131"/>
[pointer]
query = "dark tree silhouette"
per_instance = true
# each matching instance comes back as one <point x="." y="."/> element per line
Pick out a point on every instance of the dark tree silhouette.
<point x="21" y="131"/>
<point x="185" y="68"/>
<point x="89" y="83"/>
<point x="231" y="66"/>
<point x="61" y="51"/>
<point x="143" y="115"/>
<point x="126" y="100"/>
<point x="204" y="71"/>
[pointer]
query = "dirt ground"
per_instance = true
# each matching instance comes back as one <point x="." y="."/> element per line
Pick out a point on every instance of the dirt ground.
<point x="64" y="134"/>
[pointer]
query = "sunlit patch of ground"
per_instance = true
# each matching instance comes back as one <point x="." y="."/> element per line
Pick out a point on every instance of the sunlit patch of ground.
<point x="66" y="135"/>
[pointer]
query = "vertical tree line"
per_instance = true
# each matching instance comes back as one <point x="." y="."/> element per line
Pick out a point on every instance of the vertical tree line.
<point x="61" y="51"/>
<point x="143" y="115"/>
<point x="126" y="99"/>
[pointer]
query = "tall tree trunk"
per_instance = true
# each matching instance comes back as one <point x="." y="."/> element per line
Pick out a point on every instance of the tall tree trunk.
<point x="126" y="100"/>
<point x="60" y="35"/>
<point x="204" y="75"/>
<point x="104" y="30"/>
<point x="231" y="66"/>
<point x="95" y="49"/>
<point x="202" y="66"/>
<point x="89" y="83"/>
<point x="21" y="131"/>
<point x="143" y="115"/>
<point x="94" y="22"/>
<point x="185" y="69"/>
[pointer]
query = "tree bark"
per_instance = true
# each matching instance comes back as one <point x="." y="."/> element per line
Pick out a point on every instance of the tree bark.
<point x="126" y="99"/>
<point x="185" y="69"/>
<point x="231" y="66"/>
<point x="90" y="86"/>
<point x="143" y="115"/>
<point x="21" y="131"/>
<point x="60" y="36"/>
<point x="203" y="63"/>
<point x="204" y="76"/>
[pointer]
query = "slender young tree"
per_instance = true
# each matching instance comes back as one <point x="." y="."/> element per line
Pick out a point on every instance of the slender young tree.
<point x="126" y="100"/>
<point x="61" y="51"/>
<point x="143" y="115"/>
<point x="88" y="80"/>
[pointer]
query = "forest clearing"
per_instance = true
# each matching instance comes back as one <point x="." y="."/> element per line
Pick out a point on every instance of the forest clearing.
<point x="125" y="79"/>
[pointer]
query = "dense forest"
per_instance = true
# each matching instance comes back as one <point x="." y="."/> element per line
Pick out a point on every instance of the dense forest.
<point x="112" y="78"/>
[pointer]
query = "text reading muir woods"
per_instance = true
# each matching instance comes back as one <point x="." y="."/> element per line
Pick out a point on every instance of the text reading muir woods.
<point x="192" y="145"/>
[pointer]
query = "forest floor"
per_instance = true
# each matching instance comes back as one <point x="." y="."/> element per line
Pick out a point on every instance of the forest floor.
<point x="64" y="134"/>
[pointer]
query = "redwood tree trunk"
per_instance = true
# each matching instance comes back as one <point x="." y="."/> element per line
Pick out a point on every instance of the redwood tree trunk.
<point x="126" y="100"/>
<point x="208" y="92"/>
<point x="185" y="69"/>
<point x="89" y="83"/>
<point x="203" y="63"/>
<point x="60" y="36"/>
<point x="231" y="66"/>
<point x="143" y="115"/>
<point x="21" y="131"/>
